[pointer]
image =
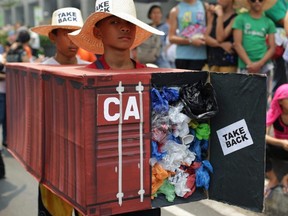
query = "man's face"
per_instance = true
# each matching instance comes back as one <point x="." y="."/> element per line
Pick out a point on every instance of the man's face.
<point x="63" y="44"/>
<point x="115" y="32"/>
<point x="256" y="5"/>
<point x="156" y="15"/>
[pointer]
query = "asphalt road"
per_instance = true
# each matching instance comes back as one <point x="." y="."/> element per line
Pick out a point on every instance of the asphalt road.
<point x="19" y="190"/>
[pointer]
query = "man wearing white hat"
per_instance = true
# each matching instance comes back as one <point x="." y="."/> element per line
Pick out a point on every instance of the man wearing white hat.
<point x="64" y="21"/>
<point x="112" y="31"/>
<point x="89" y="39"/>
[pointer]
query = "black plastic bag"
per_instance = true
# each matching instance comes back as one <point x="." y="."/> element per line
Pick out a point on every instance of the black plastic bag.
<point x="199" y="100"/>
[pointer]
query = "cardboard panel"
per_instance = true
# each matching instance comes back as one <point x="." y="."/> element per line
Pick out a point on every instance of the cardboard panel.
<point x="82" y="137"/>
<point x="25" y="116"/>
<point x="64" y="125"/>
<point x="238" y="176"/>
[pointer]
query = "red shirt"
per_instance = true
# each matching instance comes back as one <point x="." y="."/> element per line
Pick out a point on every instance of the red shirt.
<point x="107" y="67"/>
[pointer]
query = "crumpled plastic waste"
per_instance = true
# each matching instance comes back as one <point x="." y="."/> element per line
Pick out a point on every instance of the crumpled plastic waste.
<point x="179" y="180"/>
<point x="195" y="146"/>
<point x="159" y="104"/>
<point x="170" y="94"/>
<point x="177" y="154"/>
<point x="155" y="153"/>
<point x="168" y="190"/>
<point x="160" y="127"/>
<point x="179" y="120"/>
<point x="159" y="135"/>
<point x="199" y="100"/>
<point x="202" y="174"/>
<point x="190" y="183"/>
<point x="158" y="177"/>
<point x="179" y="141"/>
<point x="203" y="131"/>
<point x="200" y="143"/>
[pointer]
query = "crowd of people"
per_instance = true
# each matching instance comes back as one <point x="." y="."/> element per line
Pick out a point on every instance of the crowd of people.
<point x="243" y="36"/>
<point x="230" y="36"/>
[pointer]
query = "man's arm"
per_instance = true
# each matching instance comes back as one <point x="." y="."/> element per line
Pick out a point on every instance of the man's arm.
<point x="285" y="23"/>
<point x="237" y="34"/>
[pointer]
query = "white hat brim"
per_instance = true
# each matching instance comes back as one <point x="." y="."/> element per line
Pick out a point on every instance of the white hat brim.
<point x="85" y="38"/>
<point x="46" y="29"/>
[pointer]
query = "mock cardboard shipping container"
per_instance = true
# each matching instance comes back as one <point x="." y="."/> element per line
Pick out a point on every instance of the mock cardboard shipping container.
<point x="25" y="117"/>
<point x="96" y="155"/>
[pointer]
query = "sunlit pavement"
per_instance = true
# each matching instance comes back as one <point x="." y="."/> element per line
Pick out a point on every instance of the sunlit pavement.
<point x="19" y="191"/>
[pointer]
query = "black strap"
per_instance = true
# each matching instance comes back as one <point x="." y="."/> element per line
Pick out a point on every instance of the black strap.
<point x="98" y="63"/>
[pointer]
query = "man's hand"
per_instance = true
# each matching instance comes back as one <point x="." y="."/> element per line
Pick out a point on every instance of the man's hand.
<point x="254" y="67"/>
<point x="285" y="183"/>
<point x="218" y="10"/>
<point x="227" y="46"/>
<point x="285" y="144"/>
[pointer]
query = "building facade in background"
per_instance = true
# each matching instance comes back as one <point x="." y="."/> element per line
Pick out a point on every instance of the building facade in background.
<point x="37" y="12"/>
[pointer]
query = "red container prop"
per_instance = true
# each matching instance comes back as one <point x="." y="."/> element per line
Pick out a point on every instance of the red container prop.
<point x="25" y="117"/>
<point x="85" y="134"/>
<point x="97" y="140"/>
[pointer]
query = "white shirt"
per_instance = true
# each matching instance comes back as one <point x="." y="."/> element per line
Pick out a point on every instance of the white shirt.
<point x="52" y="61"/>
<point x="34" y="40"/>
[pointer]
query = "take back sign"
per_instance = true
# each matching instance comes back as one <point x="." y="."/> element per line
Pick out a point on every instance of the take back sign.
<point x="234" y="137"/>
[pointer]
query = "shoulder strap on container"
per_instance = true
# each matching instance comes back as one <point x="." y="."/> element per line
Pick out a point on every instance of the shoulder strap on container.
<point x="98" y="63"/>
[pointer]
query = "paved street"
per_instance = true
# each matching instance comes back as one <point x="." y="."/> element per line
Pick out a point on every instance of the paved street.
<point x="18" y="197"/>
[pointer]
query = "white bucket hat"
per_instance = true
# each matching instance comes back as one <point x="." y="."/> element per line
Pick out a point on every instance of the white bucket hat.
<point x="124" y="9"/>
<point x="64" y="18"/>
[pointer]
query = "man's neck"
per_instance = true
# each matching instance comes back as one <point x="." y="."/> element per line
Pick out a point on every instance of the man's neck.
<point x="63" y="60"/>
<point x="228" y="10"/>
<point x="256" y="14"/>
<point x="119" y="60"/>
<point x="190" y="1"/>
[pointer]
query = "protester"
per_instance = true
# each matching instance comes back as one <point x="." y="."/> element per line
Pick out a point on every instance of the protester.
<point x="34" y="44"/>
<point x="254" y="39"/>
<point x="66" y="51"/>
<point x="13" y="32"/>
<point x="113" y="35"/>
<point x="188" y="16"/>
<point x="155" y="14"/>
<point x="219" y="38"/>
<point x="2" y="112"/>
<point x="149" y="52"/>
<point x="254" y="53"/>
<point x="277" y="144"/>
<point x="169" y="49"/>
<point x="279" y="15"/>
<point x="17" y="52"/>
<point x="20" y="50"/>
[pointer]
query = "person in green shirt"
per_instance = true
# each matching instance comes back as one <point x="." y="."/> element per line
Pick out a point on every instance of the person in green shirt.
<point x="250" y="31"/>
<point x="278" y="13"/>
